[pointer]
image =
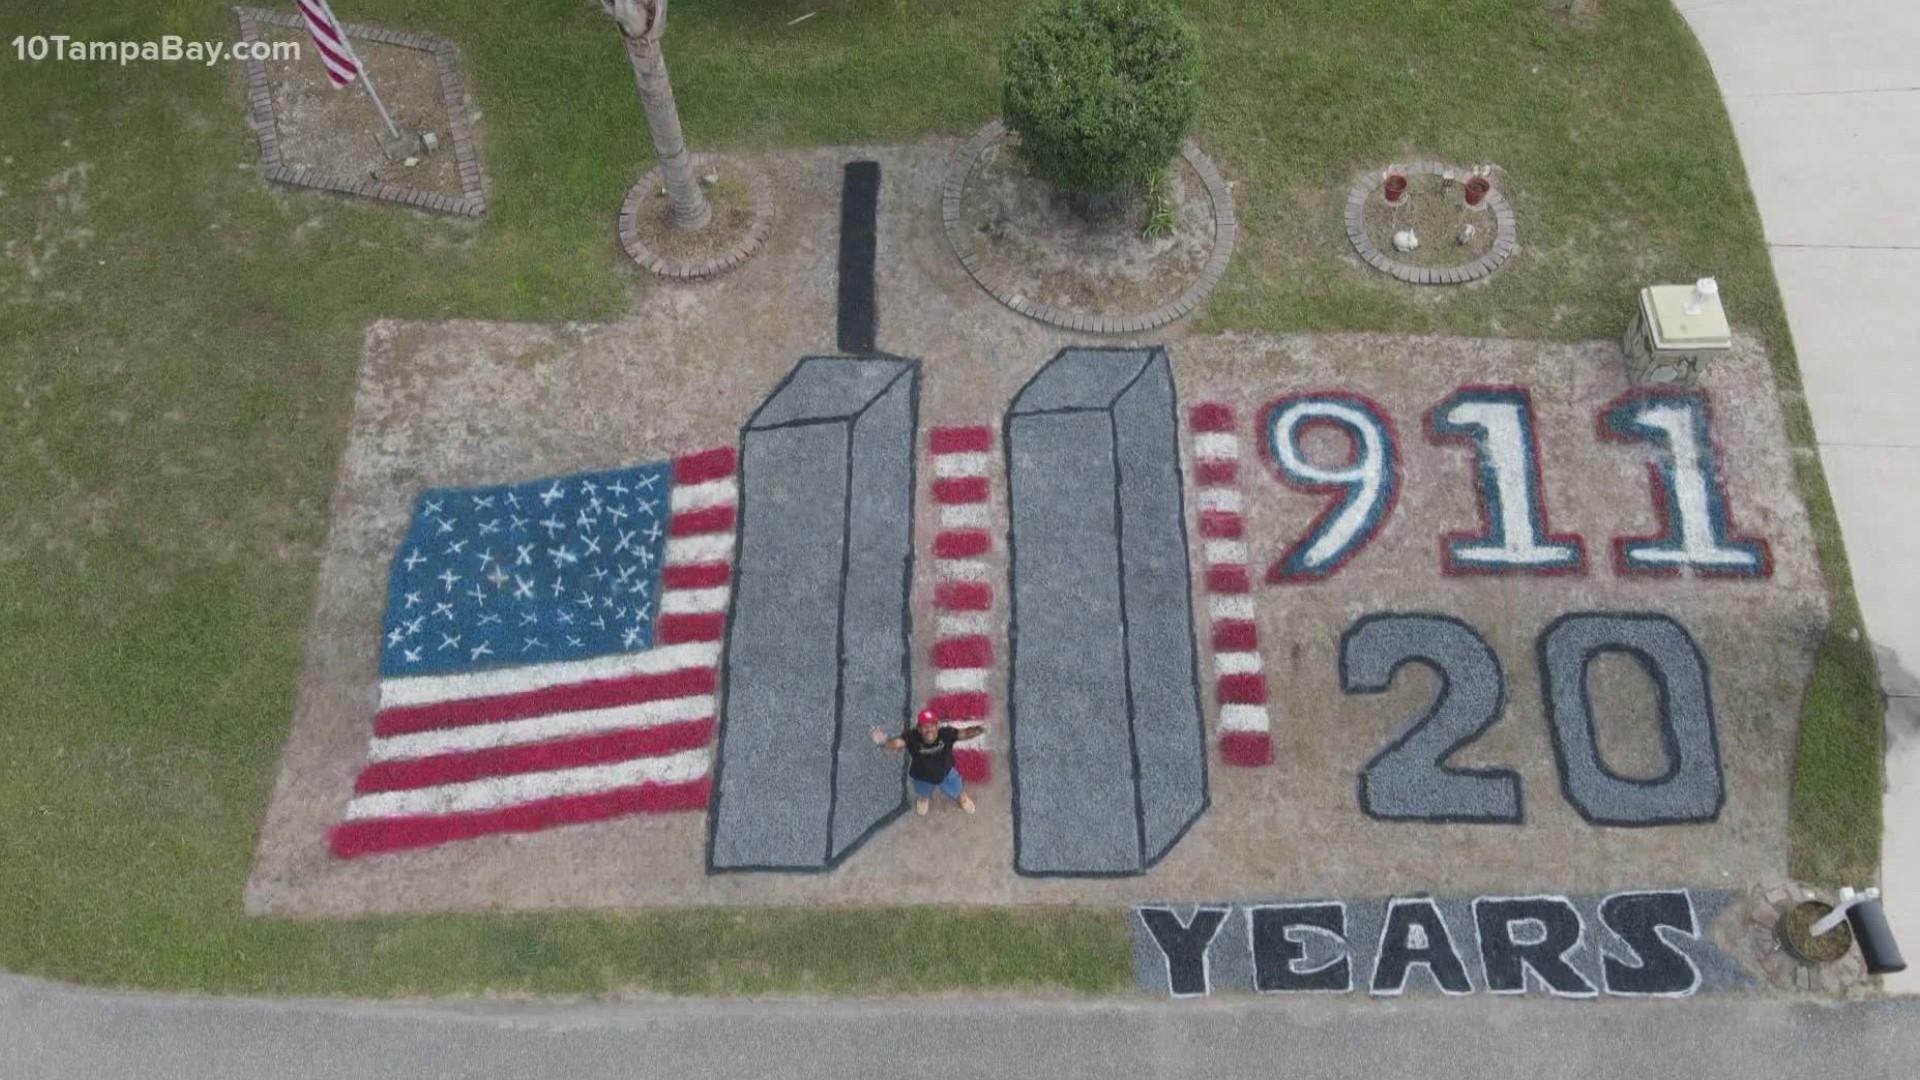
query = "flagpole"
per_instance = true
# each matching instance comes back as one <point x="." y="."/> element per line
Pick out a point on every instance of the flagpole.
<point x="366" y="77"/>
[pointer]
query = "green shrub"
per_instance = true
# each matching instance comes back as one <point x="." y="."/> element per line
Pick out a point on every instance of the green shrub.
<point x="1101" y="92"/>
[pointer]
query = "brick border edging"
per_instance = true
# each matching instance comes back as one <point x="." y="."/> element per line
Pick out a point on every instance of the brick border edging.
<point x="1506" y="238"/>
<point x="1225" y="229"/>
<point x="754" y="239"/>
<point x="472" y="203"/>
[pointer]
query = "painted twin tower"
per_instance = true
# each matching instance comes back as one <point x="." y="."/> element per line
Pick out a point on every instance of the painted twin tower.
<point x="1108" y="745"/>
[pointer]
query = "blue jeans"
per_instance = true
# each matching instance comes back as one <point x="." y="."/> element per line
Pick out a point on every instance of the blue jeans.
<point x="950" y="787"/>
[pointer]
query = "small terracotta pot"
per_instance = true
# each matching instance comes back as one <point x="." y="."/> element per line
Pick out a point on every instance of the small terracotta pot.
<point x="1477" y="188"/>
<point x="1395" y="187"/>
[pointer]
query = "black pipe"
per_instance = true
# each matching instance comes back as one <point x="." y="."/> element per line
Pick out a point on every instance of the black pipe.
<point x="1877" y="946"/>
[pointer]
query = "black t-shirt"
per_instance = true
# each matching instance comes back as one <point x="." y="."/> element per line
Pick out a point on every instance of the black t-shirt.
<point x="930" y="762"/>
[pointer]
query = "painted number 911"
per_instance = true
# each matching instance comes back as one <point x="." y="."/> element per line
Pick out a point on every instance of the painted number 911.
<point x="1497" y="424"/>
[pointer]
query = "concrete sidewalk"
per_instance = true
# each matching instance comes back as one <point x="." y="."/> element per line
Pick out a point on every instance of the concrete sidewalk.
<point x="1825" y="100"/>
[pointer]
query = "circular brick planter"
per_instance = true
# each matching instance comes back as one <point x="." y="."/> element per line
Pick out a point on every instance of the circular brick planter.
<point x="1225" y="227"/>
<point x="1505" y="242"/>
<point x="750" y="241"/>
<point x="1778" y="966"/>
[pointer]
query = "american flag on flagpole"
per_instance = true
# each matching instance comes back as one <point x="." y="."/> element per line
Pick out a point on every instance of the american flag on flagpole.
<point x="335" y="53"/>
<point x="549" y="655"/>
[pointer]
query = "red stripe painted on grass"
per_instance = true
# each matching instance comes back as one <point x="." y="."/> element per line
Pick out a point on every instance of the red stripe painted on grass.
<point x="601" y="749"/>
<point x="711" y="575"/>
<point x="680" y="629"/>
<point x="376" y="835"/>
<point x="961" y="706"/>
<point x="716" y="464"/>
<point x="1228" y="579"/>
<point x="1247" y="748"/>
<point x="960" y="440"/>
<point x="1243" y="689"/>
<point x="963" y="596"/>
<point x="975" y="651"/>
<point x="976" y="766"/>
<point x="1222" y="525"/>
<point x="960" y="489"/>
<point x="962" y="543"/>
<point x="1212" y="416"/>
<point x="1235" y="635"/>
<point x="714" y="519"/>
<point x="1217" y="472"/>
<point x="574" y="697"/>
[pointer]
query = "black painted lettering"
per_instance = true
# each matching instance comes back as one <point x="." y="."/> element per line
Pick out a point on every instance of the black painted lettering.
<point x="1184" y="945"/>
<point x="1530" y="933"/>
<point x="1661" y="970"/>
<point x="1415" y="935"/>
<point x="1281" y="935"/>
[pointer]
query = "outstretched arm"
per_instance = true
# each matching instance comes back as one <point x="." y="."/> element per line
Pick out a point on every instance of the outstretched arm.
<point x="880" y="739"/>
<point x="973" y="732"/>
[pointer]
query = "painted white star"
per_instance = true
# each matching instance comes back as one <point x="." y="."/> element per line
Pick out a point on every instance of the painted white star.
<point x="414" y="559"/>
<point x="631" y="638"/>
<point x="449" y="641"/>
<point x="584" y="520"/>
<point x="412" y="656"/>
<point x="653" y="532"/>
<point x="412" y="599"/>
<point x="585" y="601"/>
<point x="445" y="610"/>
<point x="553" y="494"/>
<point x="512" y="500"/>
<point x="554" y="527"/>
<point x="518" y="523"/>
<point x="626" y="541"/>
<point x="433" y="507"/>
<point x="489" y="526"/>
<point x="499" y="577"/>
<point x="645" y="481"/>
<point x="575" y="642"/>
<point x="522" y="588"/>
<point x="600" y="622"/>
<point x="395" y="636"/>
<point x="446" y="526"/>
<point x="649" y="507"/>
<point x="483" y="502"/>
<point x="559" y="587"/>
<point x="531" y="644"/>
<point x="599" y="573"/>
<point x="489" y="620"/>
<point x="646" y="557"/>
<point x="455" y="548"/>
<point x="643" y="612"/>
<point x="564" y="618"/>
<point x="449" y="578"/>
<point x="414" y="624"/>
<point x="529" y="618"/>
<point x="607" y="602"/>
<point x="616" y="487"/>
<point x="525" y="556"/>
<point x="562" y="556"/>
<point x="616" y="513"/>
<point x="479" y="594"/>
<point x="479" y="651"/>
<point x="593" y="545"/>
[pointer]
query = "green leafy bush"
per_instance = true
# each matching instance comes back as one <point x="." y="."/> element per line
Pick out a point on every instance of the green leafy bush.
<point x="1101" y="92"/>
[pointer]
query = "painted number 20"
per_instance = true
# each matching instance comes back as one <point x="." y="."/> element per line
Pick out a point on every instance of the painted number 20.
<point x="1498" y="424"/>
<point x="1410" y="778"/>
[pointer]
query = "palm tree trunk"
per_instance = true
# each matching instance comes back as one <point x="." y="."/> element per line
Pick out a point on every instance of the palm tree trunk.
<point x="686" y="203"/>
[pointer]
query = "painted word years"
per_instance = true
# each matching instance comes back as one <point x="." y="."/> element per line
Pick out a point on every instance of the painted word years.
<point x="1497" y="426"/>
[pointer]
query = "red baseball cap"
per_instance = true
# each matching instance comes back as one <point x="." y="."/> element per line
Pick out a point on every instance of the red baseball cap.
<point x="926" y="717"/>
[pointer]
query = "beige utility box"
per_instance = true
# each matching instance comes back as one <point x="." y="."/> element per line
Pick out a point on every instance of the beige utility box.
<point x="1676" y="329"/>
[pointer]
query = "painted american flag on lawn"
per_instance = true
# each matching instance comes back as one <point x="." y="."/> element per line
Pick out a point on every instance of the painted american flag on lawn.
<point x="549" y="655"/>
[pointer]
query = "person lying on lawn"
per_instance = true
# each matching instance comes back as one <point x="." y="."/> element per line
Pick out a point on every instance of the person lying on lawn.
<point x="929" y="746"/>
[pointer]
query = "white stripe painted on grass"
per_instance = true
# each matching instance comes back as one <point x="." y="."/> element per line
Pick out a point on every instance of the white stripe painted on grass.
<point x="961" y="569"/>
<point x="1237" y="663"/>
<point x="1216" y="446"/>
<point x="957" y="679"/>
<point x="427" y="689"/>
<point x="1225" y="500"/>
<point x="960" y="625"/>
<point x="1244" y="718"/>
<point x="710" y="548"/>
<point x="541" y="728"/>
<point x="970" y="515"/>
<point x="704" y="496"/>
<point x="693" y="601"/>
<point x="1230" y="607"/>
<point x="503" y="791"/>
<point x="1227" y="551"/>
<point x="970" y="463"/>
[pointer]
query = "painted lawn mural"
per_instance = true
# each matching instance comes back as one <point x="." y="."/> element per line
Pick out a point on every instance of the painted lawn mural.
<point x="1478" y="663"/>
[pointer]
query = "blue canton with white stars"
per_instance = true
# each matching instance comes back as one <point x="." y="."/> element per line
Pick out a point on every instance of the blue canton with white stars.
<point x="564" y="568"/>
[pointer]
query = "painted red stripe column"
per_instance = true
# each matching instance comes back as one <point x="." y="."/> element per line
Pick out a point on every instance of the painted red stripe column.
<point x="963" y="654"/>
<point x="1240" y="684"/>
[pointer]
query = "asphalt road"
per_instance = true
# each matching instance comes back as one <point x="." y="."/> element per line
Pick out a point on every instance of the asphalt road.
<point x="51" y="1032"/>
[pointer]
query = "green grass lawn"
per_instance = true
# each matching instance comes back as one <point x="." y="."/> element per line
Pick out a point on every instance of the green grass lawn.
<point x="178" y="346"/>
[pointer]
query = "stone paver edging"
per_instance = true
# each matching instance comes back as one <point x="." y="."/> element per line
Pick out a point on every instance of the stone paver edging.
<point x="1778" y="966"/>
<point x="1225" y="228"/>
<point x="692" y="269"/>
<point x="1505" y="242"/>
<point x="472" y="202"/>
